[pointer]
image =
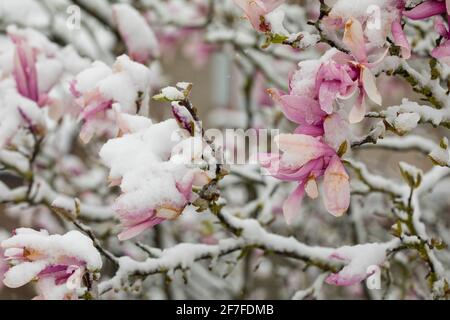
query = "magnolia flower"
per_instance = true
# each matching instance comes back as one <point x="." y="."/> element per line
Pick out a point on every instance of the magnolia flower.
<point x="157" y="182"/>
<point x="97" y="89"/>
<point x="256" y="10"/>
<point x="379" y="18"/>
<point x="58" y="262"/>
<point x="139" y="38"/>
<point x="305" y="159"/>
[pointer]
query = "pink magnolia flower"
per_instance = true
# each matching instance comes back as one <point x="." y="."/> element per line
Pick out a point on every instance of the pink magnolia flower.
<point x="57" y="262"/>
<point x="256" y="10"/>
<point x="134" y="222"/>
<point x="156" y="183"/>
<point x="305" y="159"/>
<point x="97" y="89"/>
<point x="379" y="19"/>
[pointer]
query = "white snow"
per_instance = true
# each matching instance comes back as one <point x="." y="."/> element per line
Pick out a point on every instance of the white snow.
<point x="406" y="122"/>
<point x="172" y="93"/>
<point x="440" y="154"/>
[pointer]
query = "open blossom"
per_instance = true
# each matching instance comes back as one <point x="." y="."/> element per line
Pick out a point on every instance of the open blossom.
<point x="96" y="89"/>
<point x="305" y="159"/>
<point x="379" y="18"/>
<point x="57" y="262"/>
<point x="256" y="10"/>
<point x="139" y="38"/>
<point x="156" y="183"/>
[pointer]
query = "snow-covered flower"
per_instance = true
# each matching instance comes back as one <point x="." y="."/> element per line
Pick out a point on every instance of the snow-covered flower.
<point x="256" y="10"/>
<point x="157" y="182"/>
<point x="305" y="159"/>
<point x="139" y="38"/>
<point x="361" y="261"/>
<point x="96" y="89"/>
<point x="59" y="263"/>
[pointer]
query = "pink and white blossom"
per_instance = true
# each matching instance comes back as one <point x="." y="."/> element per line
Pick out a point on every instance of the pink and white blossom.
<point x="57" y="262"/>
<point x="256" y="10"/>
<point x="126" y="85"/>
<point x="306" y="159"/>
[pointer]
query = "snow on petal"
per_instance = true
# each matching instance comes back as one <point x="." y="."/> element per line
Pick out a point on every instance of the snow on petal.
<point x="360" y="261"/>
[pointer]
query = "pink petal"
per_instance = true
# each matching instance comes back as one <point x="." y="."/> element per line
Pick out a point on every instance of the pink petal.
<point x="336" y="188"/>
<point x="359" y="109"/>
<point x="327" y="95"/>
<point x="299" y="109"/>
<point x="354" y="39"/>
<point x="336" y="131"/>
<point x="310" y="130"/>
<point x="369" y="84"/>
<point x="311" y="188"/>
<point x="440" y="27"/>
<point x="185" y="185"/>
<point x="292" y="205"/>
<point x="426" y="9"/>
<point x="133" y="231"/>
<point x="442" y="52"/>
<point x="24" y="71"/>
<point x="301" y="148"/>
<point x="342" y="280"/>
<point x="400" y="39"/>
